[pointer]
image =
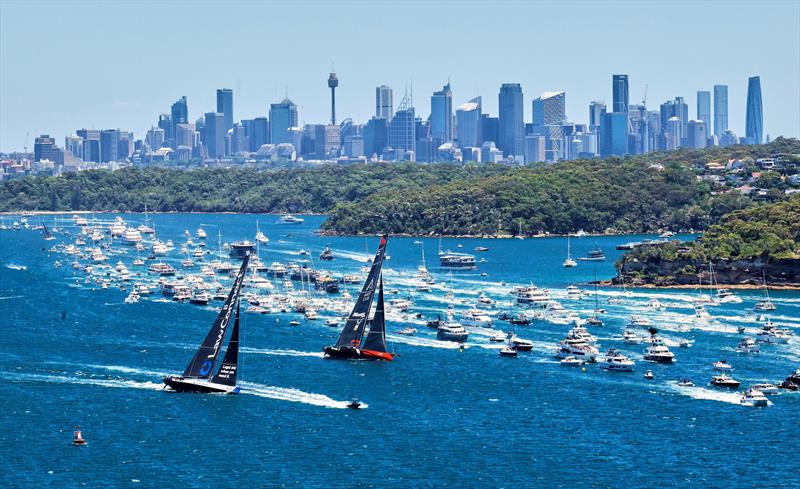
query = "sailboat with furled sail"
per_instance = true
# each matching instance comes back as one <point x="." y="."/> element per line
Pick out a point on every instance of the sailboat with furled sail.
<point x="198" y="374"/>
<point x="349" y="345"/>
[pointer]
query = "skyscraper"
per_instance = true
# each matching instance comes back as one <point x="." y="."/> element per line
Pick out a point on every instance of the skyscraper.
<point x="468" y="124"/>
<point x="282" y="117"/>
<point x="704" y="107"/>
<point x="596" y="111"/>
<point x="214" y="135"/>
<point x="225" y="107"/>
<point x="259" y="136"/>
<point x="720" y="110"/>
<point x="697" y="136"/>
<point x="614" y="134"/>
<point x="511" y="125"/>
<point x="179" y="114"/>
<point x="402" y="130"/>
<point x="91" y="144"/>
<point x="619" y="88"/>
<point x="383" y="102"/>
<point x="754" y="119"/>
<point x="442" y="116"/>
<point x="43" y="148"/>
<point x="549" y="108"/>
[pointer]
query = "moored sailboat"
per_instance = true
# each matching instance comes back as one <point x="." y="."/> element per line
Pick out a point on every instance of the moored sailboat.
<point x="198" y="374"/>
<point x="350" y="345"/>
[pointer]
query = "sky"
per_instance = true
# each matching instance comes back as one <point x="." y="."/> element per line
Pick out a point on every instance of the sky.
<point x="65" y="65"/>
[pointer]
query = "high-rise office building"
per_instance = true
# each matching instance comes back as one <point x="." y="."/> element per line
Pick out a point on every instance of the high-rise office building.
<point x="259" y="135"/>
<point x="184" y="136"/>
<point x="511" y="120"/>
<point x="165" y="124"/>
<point x="697" y="136"/>
<point x="720" y="109"/>
<point x="74" y="145"/>
<point x="614" y="134"/>
<point x="673" y="133"/>
<point x="534" y="148"/>
<point x="619" y="88"/>
<point x="704" y="107"/>
<point x="44" y="148"/>
<point x="468" y="124"/>
<point x="214" y="135"/>
<point x="549" y="108"/>
<point x="442" y="115"/>
<point x="155" y="138"/>
<point x="225" y="106"/>
<point x="109" y="145"/>
<point x="596" y="111"/>
<point x="238" y="139"/>
<point x="91" y="144"/>
<point x="383" y="102"/>
<point x="754" y="119"/>
<point x="490" y="129"/>
<point x="402" y="130"/>
<point x="376" y="136"/>
<point x="179" y="114"/>
<point x="282" y="117"/>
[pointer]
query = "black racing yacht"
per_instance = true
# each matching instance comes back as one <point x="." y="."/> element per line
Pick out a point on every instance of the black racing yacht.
<point x="350" y="345"/>
<point x="198" y="374"/>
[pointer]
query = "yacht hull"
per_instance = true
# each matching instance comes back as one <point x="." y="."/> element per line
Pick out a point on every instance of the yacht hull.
<point x="343" y="353"/>
<point x="199" y="386"/>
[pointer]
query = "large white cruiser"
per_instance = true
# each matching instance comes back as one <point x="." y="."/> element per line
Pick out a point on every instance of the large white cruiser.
<point x="616" y="361"/>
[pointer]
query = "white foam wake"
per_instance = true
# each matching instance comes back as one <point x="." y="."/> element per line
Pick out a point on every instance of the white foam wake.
<point x="61" y="379"/>
<point x="293" y="395"/>
<point x="282" y="353"/>
<point x="706" y="394"/>
<point x="418" y="341"/>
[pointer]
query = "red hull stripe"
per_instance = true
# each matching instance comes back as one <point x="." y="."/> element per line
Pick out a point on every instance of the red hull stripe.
<point x="378" y="354"/>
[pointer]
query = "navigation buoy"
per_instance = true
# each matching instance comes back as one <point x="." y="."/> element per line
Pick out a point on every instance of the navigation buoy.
<point x="78" y="437"/>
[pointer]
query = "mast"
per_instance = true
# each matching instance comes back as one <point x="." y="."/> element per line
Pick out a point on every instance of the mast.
<point x="202" y="364"/>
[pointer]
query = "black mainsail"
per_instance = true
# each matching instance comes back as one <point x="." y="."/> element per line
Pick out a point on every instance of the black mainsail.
<point x="230" y="363"/>
<point x="202" y="365"/>
<point x="376" y="338"/>
<point x="349" y="343"/>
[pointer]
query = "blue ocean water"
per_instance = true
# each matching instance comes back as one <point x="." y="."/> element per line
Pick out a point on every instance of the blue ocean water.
<point x="73" y="353"/>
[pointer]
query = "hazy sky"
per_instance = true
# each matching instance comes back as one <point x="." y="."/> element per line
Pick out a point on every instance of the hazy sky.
<point x="66" y="65"/>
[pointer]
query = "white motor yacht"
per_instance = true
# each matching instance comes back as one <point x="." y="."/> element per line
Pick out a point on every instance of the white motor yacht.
<point x="722" y="365"/>
<point x="201" y="233"/>
<point x="616" y="361"/>
<point x="766" y="388"/>
<point x="571" y="361"/>
<point x="132" y="298"/>
<point x="769" y="333"/>
<point x="639" y="321"/>
<point x="476" y="318"/>
<point x="574" y="291"/>
<point x="658" y="352"/>
<point x="754" y="398"/>
<point x="200" y="297"/>
<point x="630" y="337"/>
<point x="725" y="296"/>
<point x="747" y="345"/>
<point x="451" y="331"/>
<point x="556" y="314"/>
<point x="131" y="237"/>
<point x="576" y="347"/>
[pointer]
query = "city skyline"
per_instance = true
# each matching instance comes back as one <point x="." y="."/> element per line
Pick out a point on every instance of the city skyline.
<point x="131" y="89"/>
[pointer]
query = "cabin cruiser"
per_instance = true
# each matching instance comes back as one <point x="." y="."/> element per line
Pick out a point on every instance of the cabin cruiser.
<point x="79" y="221"/>
<point x="261" y="237"/>
<point x="451" y="331"/>
<point x="161" y="268"/>
<point x="792" y="382"/>
<point x="198" y="253"/>
<point x="498" y="337"/>
<point x="754" y="397"/>
<point x="630" y="337"/>
<point x="616" y="361"/>
<point x="481" y="248"/>
<point x="331" y="323"/>
<point x="722" y="380"/>
<point x="722" y="365"/>
<point x="277" y="270"/>
<point x="725" y="296"/>
<point x="182" y="294"/>
<point x="145" y="229"/>
<point x="574" y="291"/>
<point x="160" y="249"/>
<point x="747" y="345"/>
<point x="765" y="305"/>
<point x="200" y="297"/>
<point x="521" y="344"/>
<point x="170" y="289"/>
<point x="766" y="388"/>
<point x="131" y="236"/>
<point x="407" y="331"/>
<point x="290" y="219"/>
<point x="769" y="333"/>
<point x="508" y="351"/>
<point x="201" y="233"/>
<point x="484" y="301"/>
<point x="578" y="347"/>
<point x="97" y="256"/>
<point x="457" y="261"/>
<point x="221" y="266"/>
<point x="555" y="313"/>
<point x="475" y="317"/>
<point x="571" y="361"/>
<point x="132" y="298"/>
<point x="655" y="305"/>
<point x="649" y="375"/>
<point x="255" y="281"/>
<point x="310" y="314"/>
<point x="594" y="255"/>
<point x="142" y="289"/>
<point x="685" y="383"/>
<point x="327" y="254"/>
<point x="657" y="351"/>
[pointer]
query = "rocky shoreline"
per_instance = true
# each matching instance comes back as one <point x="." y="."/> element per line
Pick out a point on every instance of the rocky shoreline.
<point x="687" y="273"/>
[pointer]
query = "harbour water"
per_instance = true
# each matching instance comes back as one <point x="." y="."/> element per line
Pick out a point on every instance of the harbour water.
<point x="76" y="354"/>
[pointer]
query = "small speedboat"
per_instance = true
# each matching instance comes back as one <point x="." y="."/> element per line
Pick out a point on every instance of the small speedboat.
<point x="766" y="388"/>
<point x="649" y="375"/>
<point x="722" y="365"/>
<point x="521" y="344"/>
<point x="685" y="383"/>
<point x="294" y="322"/>
<point x="571" y="361"/>
<point x="754" y="397"/>
<point x="498" y="337"/>
<point x="407" y="331"/>
<point x="508" y="351"/>
<point x="481" y="248"/>
<point x="354" y="404"/>
<point x="684" y="343"/>
<point x="332" y="323"/>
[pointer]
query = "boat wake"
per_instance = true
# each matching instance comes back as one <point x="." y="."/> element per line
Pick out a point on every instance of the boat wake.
<point x="417" y="341"/>
<point x="282" y="353"/>
<point x="293" y="395"/>
<point x="14" y="266"/>
<point x="706" y="394"/>
<point x="61" y="379"/>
